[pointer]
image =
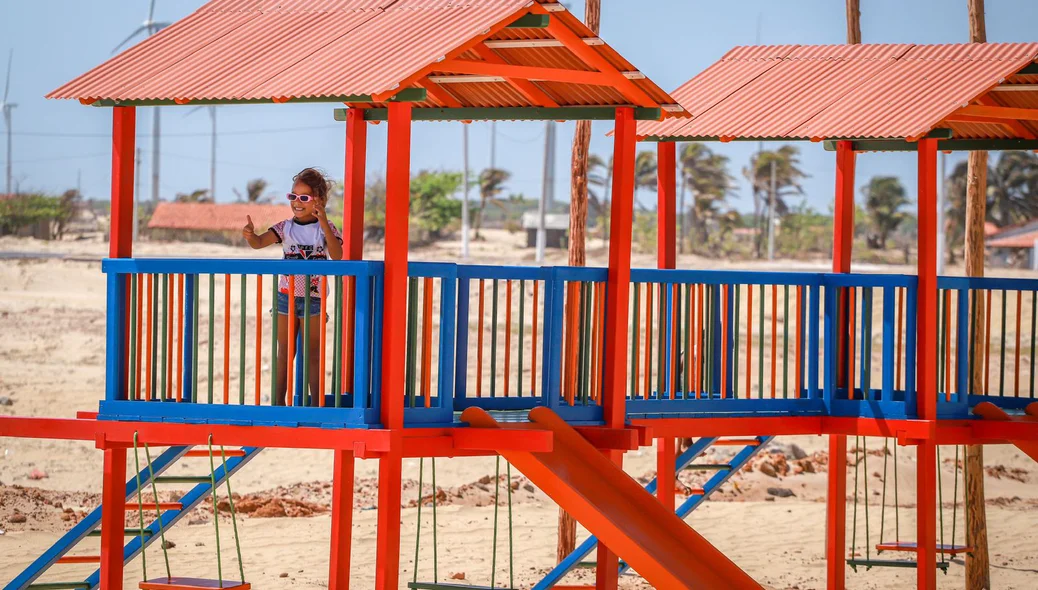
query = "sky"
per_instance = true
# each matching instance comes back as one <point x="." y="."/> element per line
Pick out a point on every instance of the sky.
<point x="60" y="143"/>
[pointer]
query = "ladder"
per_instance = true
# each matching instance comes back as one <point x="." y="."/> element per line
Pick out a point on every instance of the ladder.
<point x="722" y="473"/>
<point x="172" y="512"/>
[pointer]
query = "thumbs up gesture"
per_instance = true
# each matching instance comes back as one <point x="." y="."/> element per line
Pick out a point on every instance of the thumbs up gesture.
<point x="249" y="229"/>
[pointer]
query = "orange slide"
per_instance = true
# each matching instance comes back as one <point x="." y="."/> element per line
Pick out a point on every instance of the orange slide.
<point x="614" y="508"/>
<point x="990" y="411"/>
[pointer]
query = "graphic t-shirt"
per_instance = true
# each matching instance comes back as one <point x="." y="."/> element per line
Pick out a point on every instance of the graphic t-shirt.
<point x="303" y="241"/>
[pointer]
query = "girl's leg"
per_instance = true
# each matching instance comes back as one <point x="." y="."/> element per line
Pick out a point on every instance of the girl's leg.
<point x="314" y="371"/>
<point x="282" y="371"/>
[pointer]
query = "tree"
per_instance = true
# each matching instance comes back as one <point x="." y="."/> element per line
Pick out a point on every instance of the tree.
<point x="433" y="208"/>
<point x="706" y="175"/>
<point x="491" y="184"/>
<point x="787" y="183"/>
<point x="645" y="169"/>
<point x="1012" y="188"/>
<point x="254" y="189"/>
<point x="884" y="198"/>
<point x="599" y="183"/>
<point x="200" y="195"/>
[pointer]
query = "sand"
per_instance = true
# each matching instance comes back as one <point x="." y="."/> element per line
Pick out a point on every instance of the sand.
<point x="52" y="364"/>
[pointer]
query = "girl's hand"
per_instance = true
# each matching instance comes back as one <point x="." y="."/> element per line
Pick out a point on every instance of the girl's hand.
<point x="319" y="211"/>
<point x="249" y="231"/>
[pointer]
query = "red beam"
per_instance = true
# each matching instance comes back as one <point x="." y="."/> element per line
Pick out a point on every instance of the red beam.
<point x="926" y="514"/>
<point x="353" y="193"/>
<point x="926" y="323"/>
<point x="535" y="95"/>
<point x="666" y="187"/>
<point x="124" y="127"/>
<point x="665" y="475"/>
<point x="342" y="521"/>
<point x="836" y="515"/>
<point x="387" y="543"/>
<point x="441" y="94"/>
<point x="1008" y="427"/>
<point x="997" y="112"/>
<point x="509" y="71"/>
<point x="113" y="498"/>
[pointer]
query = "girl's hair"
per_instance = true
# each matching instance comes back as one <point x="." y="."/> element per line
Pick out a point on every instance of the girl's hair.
<point x="313" y="178"/>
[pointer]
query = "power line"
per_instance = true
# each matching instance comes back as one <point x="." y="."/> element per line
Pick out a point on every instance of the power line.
<point x="199" y="134"/>
<point x="58" y="158"/>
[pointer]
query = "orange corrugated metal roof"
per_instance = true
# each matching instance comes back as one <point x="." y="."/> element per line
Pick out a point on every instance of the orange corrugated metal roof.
<point x="849" y="92"/>
<point x="216" y="216"/>
<point x="1024" y="240"/>
<point x="306" y="49"/>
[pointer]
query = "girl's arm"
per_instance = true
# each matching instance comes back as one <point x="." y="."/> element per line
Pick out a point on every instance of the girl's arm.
<point x="332" y="241"/>
<point x="263" y="240"/>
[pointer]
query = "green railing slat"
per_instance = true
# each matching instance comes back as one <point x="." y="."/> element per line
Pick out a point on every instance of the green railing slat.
<point x="241" y="343"/>
<point x="131" y="388"/>
<point x="785" y="341"/>
<point x="306" y="343"/>
<point x="635" y="337"/>
<point x="760" y="347"/>
<point x="493" y="339"/>
<point x="522" y="324"/>
<point x="1002" y="356"/>
<point x="212" y="323"/>
<point x="735" y="346"/>
<point x="273" y="343"/>
<point x="194" y="339"/>
<point x="165" y="327"/>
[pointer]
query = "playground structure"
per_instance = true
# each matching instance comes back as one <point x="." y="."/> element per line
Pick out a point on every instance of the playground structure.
<point x="616" y="356"/>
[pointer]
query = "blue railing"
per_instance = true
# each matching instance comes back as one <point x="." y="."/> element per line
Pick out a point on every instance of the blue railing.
<point x="200" y="336"/>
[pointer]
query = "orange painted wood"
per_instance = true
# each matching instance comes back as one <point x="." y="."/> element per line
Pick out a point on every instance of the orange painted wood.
<point x="150" y="391"/>
<point x="774" y="337"/>
<point x="1019" y="295"/>
<point x="113" y="497"/>
<point x="259" y="338"/>
<point x="900" y="332"/>
<point x="995" y="112"/>
<point x="913" y="548"/>
<point x="152" y="507"/>
<point x="749" y="340"/>
<point x="649" y="289"/>
<point x="439" y="93"/>
<point x="227" y="338"/>
<point x="177" y="583"/>
<point x="689" y="340"/>
<point x="205" y="453"/>
<point x="168" y="394"/>
<point x="800" y="318"/>
<point x="508" y="334"/>
<point x="852" y="316"/>
<point x="636" y="337"/>
<point x="322" y="349"/>
<point x="180" y="336"/>
<point x="700" y="324"/>
<point x="124" y="127"/>
<point x="987" y="346"/>
<point x="724" y="340"/>
<point x="735" y="442"/>
<point x="594" y="346"/>
<point x="674" y="315"/>
<point x="79" y="559"/>
<point x="479" y="343"/>
<point x="533" y="344"/>
<point x="529" y="90"/>
<point x="349" y="303"/>
<point x="291" y="354"/>
<point x="140" y="311"/>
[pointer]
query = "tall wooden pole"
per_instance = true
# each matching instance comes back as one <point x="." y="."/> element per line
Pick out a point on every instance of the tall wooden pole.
<point x="978" y="574"/>
<point x="577" y="238"/>
<point x="853" y="22"/>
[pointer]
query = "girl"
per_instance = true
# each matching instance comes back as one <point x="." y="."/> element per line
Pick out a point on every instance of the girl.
<point x="307" y="235"/>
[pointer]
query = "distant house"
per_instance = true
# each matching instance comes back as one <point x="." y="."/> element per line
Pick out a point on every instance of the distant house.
<point x="1013" y="246"/>
<point x="212" y="222"/>
<point x="556" y="229"/>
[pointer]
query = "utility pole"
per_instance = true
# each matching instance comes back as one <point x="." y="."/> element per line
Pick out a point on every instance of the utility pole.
<point x="212" y="156"/>
<point x="156" y="129"/>
<point x="547" y="187"/>
<point x="136" y="193"/>
<point x="771" y="215"/>
<point x="942" y="196"/>
<point x="465" y="191"/>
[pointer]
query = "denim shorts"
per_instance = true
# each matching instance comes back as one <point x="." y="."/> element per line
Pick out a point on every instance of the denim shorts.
<point x="300" y="305"/>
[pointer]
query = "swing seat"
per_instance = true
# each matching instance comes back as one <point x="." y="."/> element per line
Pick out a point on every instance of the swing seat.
<point x="912" y="547"/>
<point x="177" y="583"/>
<point x="448" y="586"/>
<point x="868" y="564"/>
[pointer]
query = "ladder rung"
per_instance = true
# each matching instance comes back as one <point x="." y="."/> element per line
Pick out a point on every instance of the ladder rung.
<point x="183" y="479"/>
<point x="79" y="559"/>
<point x="736" y="442"/>
<point x="696" y="492"/>
<point x="216" y="453"/>
<point x="708" y="466"/>
<point x="126" y="532"/>
<point x="60" y="586"/>
<point x="132" y="506"/>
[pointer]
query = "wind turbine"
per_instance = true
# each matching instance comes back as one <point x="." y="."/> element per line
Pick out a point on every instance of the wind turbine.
<point x="212" y="149"/>
<point x="149" y="27"/>
<point x="7" y="107"/>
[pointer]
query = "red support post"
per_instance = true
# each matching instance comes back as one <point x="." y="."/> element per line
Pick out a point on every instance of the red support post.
<point x="398" y="192"/>
<point x="665" y="476"/>
<point x="666" y="189"/>
<point x="113" y="511"/>
<point x="353" y="185"/>
<point x="342" y="521"/>
<point x="836" y="499"/>
<point x="926" y="328"/>
<point x="124" y="127"/>
<point x="618" y="294"/>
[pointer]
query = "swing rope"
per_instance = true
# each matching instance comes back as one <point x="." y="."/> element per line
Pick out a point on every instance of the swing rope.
<point x="216" y="513"/>
<point x="511" y="552"/>
<point x="940" y="503"/>
<point x="140" y="506"/>
<point x="230" y="502"/>
<point x="158" y="511"/>
<point x="418" y="536"/>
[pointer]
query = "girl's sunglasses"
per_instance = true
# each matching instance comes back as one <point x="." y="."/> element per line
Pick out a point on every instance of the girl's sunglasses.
<point x="300" y="198"/>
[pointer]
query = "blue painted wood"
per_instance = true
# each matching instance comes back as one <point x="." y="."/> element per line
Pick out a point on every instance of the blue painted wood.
<point x="448" y="309"/>
<point x="911" y="299"/>
<point x="498" y="403"/>
<point x="90" y="522"/>
<point x="362" y="343"/>
<point x="187" y="338"/>
<point x="461" y="346"/>
<point x="190" y="500"/>
<point x="991" y="283"/>
<point x="812" y="339"/>
<point x="484" y="271"/>
<point x="829" y="363"/>
<point x="115" y="338"/>
<point x="375" y="330"/>
<point x="1006" y="403"/>
<point x="233" y="414"/>
<point x="665" y="407"/>
<point x="889" y="340"/>
<point x="551" y="378"/>
<point x="720" y="277"/>
<point x="240" y="266"/>
<point x="962" y="348"/>
<point x="866" y="339"/>
<point x="870" y="408"/>
<point x="868" y="280"/>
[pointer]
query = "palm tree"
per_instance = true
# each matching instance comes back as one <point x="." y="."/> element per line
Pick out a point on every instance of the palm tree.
<point x="491" y="184"/>
<point x="645" y="170"/>
<point x="1012" y="189"/>
<point x="787" y="182"/>
<point x="706" y="174"/>
<point x="884" y="197"/>
<point x="196" y="196"/>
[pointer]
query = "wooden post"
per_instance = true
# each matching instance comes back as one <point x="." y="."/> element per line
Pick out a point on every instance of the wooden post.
<point x="978" y="570"/>
<point x="666" y="187"/>
<point x="853" y="22"/>
<point x="398" y="191"/>
<point x="342" y="521"/>
<point x="836" y="498"/>
<point x="926" y="330"/>
<point x="353" y="185"/>
<point x="665" y="457"/>
<point x="124" y="127"/>
<point x="113" y="511"/>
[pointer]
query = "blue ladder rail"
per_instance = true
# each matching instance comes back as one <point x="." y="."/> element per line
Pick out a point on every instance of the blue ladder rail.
<point x="741" y="458"/>
<point x="82" y="530"/>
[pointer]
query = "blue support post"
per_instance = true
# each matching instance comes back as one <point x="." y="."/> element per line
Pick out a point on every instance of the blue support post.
<point x="461" y="347"/>
<point x="715" y="384"/>
<point x="375" y="330"/>
<point x="866" y="342"/>
<point x="666" y="320"/>
<point x="448" y="310"/>
<point x="732" y="322"/>
<point x="300" y="387"/>
<point x="361" y="341"/>
<point x="115" y="337"/>
<point x="889" y="340"/>
<point x="828" y="360"/>
<point x="911" y="299"/>
<point x="962" y="348"/>
<point x="551" y="378"/>
<point x="813" y="336"/>
<point x="187" y="338"/>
